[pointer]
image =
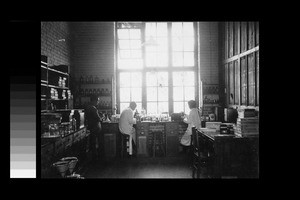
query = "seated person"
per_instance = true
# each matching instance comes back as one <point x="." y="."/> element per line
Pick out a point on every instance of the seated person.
<point x="126" y="124"/>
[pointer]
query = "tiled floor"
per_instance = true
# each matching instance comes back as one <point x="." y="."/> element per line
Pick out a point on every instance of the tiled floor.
<point x="177" y="167"/>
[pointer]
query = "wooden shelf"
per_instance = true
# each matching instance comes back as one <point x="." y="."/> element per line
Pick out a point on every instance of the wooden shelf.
<point x="54" y="70"/>
<point x="42" y="66"/>
<point x="100" y="95"/>
<point x="95" y="83"/>
<point x="57" y="87"/>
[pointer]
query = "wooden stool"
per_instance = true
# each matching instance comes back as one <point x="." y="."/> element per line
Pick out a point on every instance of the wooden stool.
<point x="124" y="145"/>
<point x="158" y="142"/>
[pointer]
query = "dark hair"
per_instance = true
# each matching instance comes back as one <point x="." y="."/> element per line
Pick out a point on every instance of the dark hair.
<point x="132" y="104"/>
<point x="94" y="98"/>
<point x="192" y="104"/>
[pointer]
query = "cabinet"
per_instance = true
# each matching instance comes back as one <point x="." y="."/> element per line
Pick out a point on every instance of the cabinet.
<point x="55" y="92"/>
<point x="94" y="85"/>
<point x="111" y="133"/>
<point x="172" y="141"/>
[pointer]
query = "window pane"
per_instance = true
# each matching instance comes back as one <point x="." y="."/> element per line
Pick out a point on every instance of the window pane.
<point x="162" y="29"/>
<point x="162" y="44"/>
<point x="162" y="94"/>
<point x="124" y="79"/>
<point x="136" y="63"/>
<point x="136" y="94"/>
<point x="123" y="106"/>
<point x="177" y="44"/>
<point x="151" y="79"/>
<point x="135" y="44"/>
<point x="188" y="58"/>
<point x="188" y="79"/>
<point x="177" y="59"/>
<point x="163" y="107"/>
<point x="150" y="29"/>
<point x="162" y="78"/>
<point x="135" y="33"/>
<point x="150" y="48"/>
<point x="188" y="44"/>
<point x="178" y="107"/>
<point x="178" y="79"/>
<point x="136" y="53"/>
<point x="189" y="93"/>
<point x="124" y="94"/>
<point x="125" y="54"/>
<point x="123" y="34"/>
<point x="151" y="108"/>
<point x="151" y="94"/>
<point x="162" y="59"/>
<point x="150" y="59"/>
<point x="178" y="93"/>
<point x="138" y="106"/>
<point x="188" y="29"/>
<point x="124" y="44"/>
<point x="187" y="108"/>
<point x="177" y="29"/>
<point x="136" y="79"/>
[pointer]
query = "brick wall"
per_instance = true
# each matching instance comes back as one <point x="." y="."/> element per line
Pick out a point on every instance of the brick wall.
<point x="92" y="48"/>
<point x="58" y="52"/>
<point x="209" y="52"/>
<point x="92" y="51"/>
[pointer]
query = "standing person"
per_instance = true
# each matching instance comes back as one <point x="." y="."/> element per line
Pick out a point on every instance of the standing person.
<point x="94" y="126"/>
<point x="193" y="120"/>
<point x="126" y="124"/>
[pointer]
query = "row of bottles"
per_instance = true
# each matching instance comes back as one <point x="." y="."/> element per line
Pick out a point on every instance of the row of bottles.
<point x="62" y="81"/>
<point x="209" y="100"/>
<point x="211" y="90"/>
<point x="66" y="94"/>
<point x="102" y="104"/>
<point x="53" y="93"/>
<point x="100" y="92"/>
<point x="95" y="79"/>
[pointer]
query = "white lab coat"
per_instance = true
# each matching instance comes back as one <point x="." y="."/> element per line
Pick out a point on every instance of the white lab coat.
<point x="126" y="126"/>
<point x="193" y="120"/>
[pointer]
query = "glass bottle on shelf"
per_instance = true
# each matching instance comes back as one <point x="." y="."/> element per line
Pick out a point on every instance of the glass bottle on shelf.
<point x="86" y="79"/>
<point x="91" y="79"/>
<point x="96" y="79"/>
<point x="81" y="79"/>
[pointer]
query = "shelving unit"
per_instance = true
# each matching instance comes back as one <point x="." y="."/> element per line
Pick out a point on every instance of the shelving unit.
<point x="55" y="87"/>
<point x="210" y="96"/>
<point x="91" y="85"/>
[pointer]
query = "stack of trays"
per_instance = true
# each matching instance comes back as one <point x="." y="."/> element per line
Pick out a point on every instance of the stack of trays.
<point x="245" y="113"/>
<point x="226" y="128"/>
<point x="247" y="126"/>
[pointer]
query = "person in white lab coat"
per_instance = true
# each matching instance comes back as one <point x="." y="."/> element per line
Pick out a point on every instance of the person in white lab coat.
<point x="193" y="120"/>
<point x="126" y="124"/>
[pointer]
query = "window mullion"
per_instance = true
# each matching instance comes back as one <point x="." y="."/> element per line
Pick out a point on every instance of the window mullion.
<point x="170" y="75"/>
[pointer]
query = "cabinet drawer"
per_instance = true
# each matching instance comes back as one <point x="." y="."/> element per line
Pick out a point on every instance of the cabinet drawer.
<point x="171" y="126"/>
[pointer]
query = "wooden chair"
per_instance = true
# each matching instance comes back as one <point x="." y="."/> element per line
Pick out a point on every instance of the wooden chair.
<point x="124" y="145"/>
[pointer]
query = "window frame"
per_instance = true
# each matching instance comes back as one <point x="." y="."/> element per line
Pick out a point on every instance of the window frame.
<point x="169" y="68"/>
